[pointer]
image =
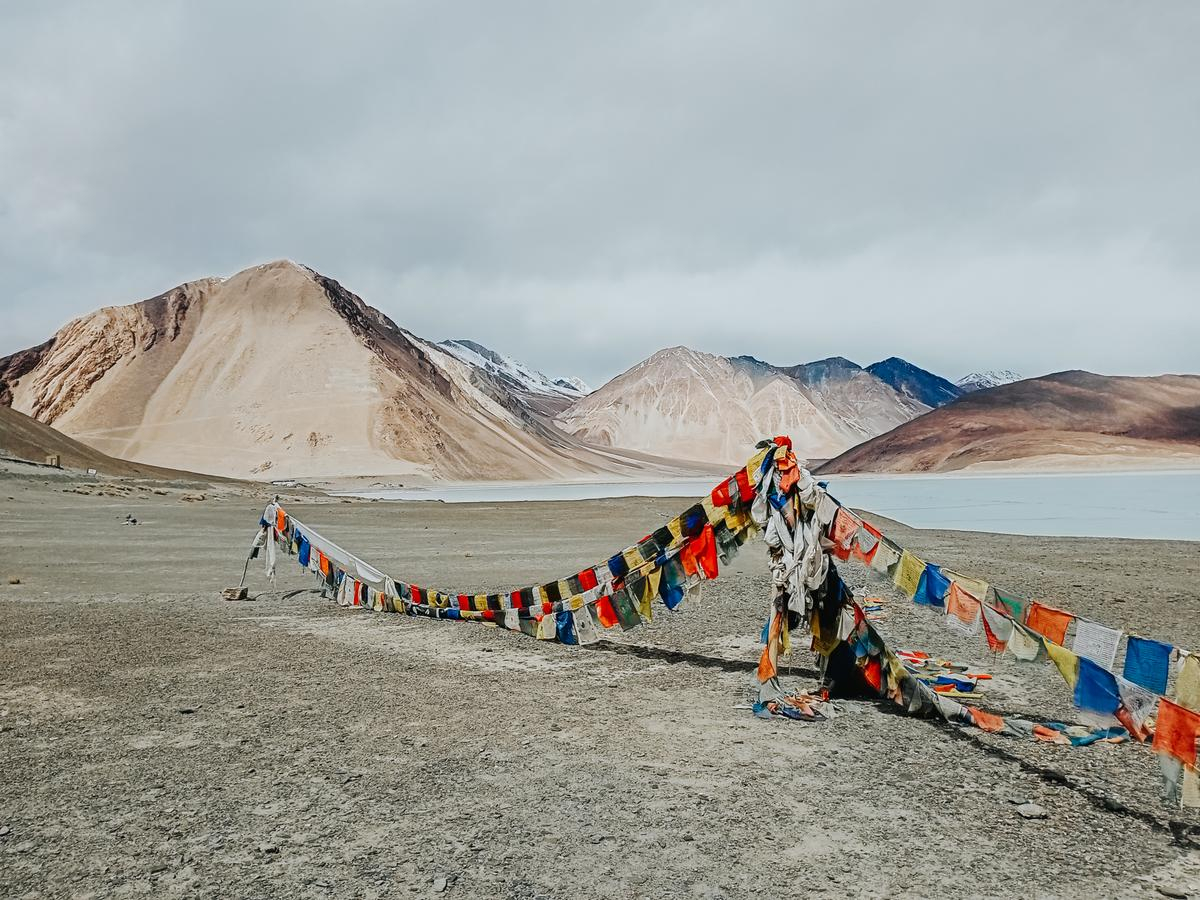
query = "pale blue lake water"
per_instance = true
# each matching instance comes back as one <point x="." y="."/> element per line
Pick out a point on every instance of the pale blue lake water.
<point x="1164" y="505"/>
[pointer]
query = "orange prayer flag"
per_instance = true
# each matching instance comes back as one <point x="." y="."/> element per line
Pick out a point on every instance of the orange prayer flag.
<point x="280" y="519"/>
<point x="767" y="668"/>
<point x="962" y="605"/>
<point x="856" y="549"/>
<point x="704" y="550"/>
<point x="986" y="721"/>
<point x="687" y="558"/>
<point x="1049" y="622"/>
<point x="1176" y="731"/>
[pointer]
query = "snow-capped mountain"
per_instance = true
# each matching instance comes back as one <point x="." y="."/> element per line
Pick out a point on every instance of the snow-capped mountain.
<point x="513" y="374"/>
<point x="978" y="381"/>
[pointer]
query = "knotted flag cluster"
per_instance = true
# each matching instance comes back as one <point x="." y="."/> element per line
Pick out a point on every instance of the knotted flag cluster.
<point x="806" y="531"/>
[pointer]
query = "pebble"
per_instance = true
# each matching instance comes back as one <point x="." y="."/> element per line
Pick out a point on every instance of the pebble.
<point x="1170" y="890"/>
<point x="440" y="884"/>
<point x="1031" y="811"/>
<point x="5" y="831"/>
<point x="268" y="848"/>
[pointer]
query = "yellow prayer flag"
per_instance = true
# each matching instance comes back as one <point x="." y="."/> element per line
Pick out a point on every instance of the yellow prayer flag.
<point x="1066" y="661"/>
<point x="976" y="587"/>
<point x="1187" y="688"/>
<point x="908" y="573"/>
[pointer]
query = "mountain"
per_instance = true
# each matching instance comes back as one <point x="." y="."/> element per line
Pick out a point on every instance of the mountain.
<point x="278" y="372"/>
<point x="685" y="404"/>
<point x="980" y="381"/>
<point x="544" y="394"/>
<point x="1067" y="418"/>
<point x="25" y="438"/>
<point x="914" y="382"/>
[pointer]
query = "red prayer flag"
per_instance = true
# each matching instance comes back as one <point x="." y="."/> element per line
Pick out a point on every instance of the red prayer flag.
<point x="605" y="612"/>
<point x="720" y="494"/>
<point x="745" y="489"/>
<point x="704" y="548"/>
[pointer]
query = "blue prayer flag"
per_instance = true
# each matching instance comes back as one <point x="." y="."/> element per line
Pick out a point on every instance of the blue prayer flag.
<point x="564" y="627"/>
<point x="933" y="587"/>
<point x="1147" y="663"/>
<point x="1096" y="689"/>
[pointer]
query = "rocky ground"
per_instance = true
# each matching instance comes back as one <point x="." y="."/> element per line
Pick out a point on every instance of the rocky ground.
<point x="156" y="741"/>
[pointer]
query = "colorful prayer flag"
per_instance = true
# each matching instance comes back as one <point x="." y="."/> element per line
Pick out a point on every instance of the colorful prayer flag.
<point x="1049" y="622"/>
<point x="1147" y="663"/>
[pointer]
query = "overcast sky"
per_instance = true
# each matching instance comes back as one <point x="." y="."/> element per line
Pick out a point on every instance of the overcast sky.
<point x="967" y="185"/>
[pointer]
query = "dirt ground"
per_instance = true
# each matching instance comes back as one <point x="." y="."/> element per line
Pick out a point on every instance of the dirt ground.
<point x="156" y="741"/>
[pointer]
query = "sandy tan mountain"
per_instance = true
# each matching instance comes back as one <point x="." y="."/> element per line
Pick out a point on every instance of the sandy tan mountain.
<point x="25" y="438"/>
<point x="1055" y="421"/>
<point x="703" y="407"/>
<point x="280" y="372"/>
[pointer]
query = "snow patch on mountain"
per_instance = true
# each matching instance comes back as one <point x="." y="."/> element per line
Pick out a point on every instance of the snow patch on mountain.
<point x="511" y="372"/>
<point x="979" y="381"/>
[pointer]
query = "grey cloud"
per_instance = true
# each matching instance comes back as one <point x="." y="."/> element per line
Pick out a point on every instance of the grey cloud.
<point x="968" y="186"/>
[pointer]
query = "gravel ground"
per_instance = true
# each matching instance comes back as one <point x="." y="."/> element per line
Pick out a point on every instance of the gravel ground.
<point x="157" y="741"/>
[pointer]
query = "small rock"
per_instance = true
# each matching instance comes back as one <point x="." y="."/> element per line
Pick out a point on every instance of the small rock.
<point x="268" y="848"/>
<point x="13" y="579"/>
<point x="186" y="710"/>
<point x="1031" y="811"/>
<point x="1170" y="890"/>
<point x="440" y="884"/>
<point x="5" y="831"/>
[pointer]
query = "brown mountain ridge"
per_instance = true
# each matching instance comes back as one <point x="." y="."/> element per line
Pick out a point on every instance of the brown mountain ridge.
<point x="1067" y="416"/>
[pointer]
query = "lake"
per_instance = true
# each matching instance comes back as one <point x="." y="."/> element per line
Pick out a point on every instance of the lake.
<point x="1163" y="505"/>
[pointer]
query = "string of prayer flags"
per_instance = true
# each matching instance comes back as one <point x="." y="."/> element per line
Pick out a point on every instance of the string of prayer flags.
<point x="1096" y="642"/>
<point x="1049" y="622"/>
<point x="1147" y="663"/>
<point x="908" y="573"/>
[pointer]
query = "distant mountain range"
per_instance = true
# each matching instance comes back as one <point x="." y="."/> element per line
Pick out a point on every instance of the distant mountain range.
<point x="1069" y="417"/>
<point x="692" y="405"/>
<point x="281" y="372"/>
